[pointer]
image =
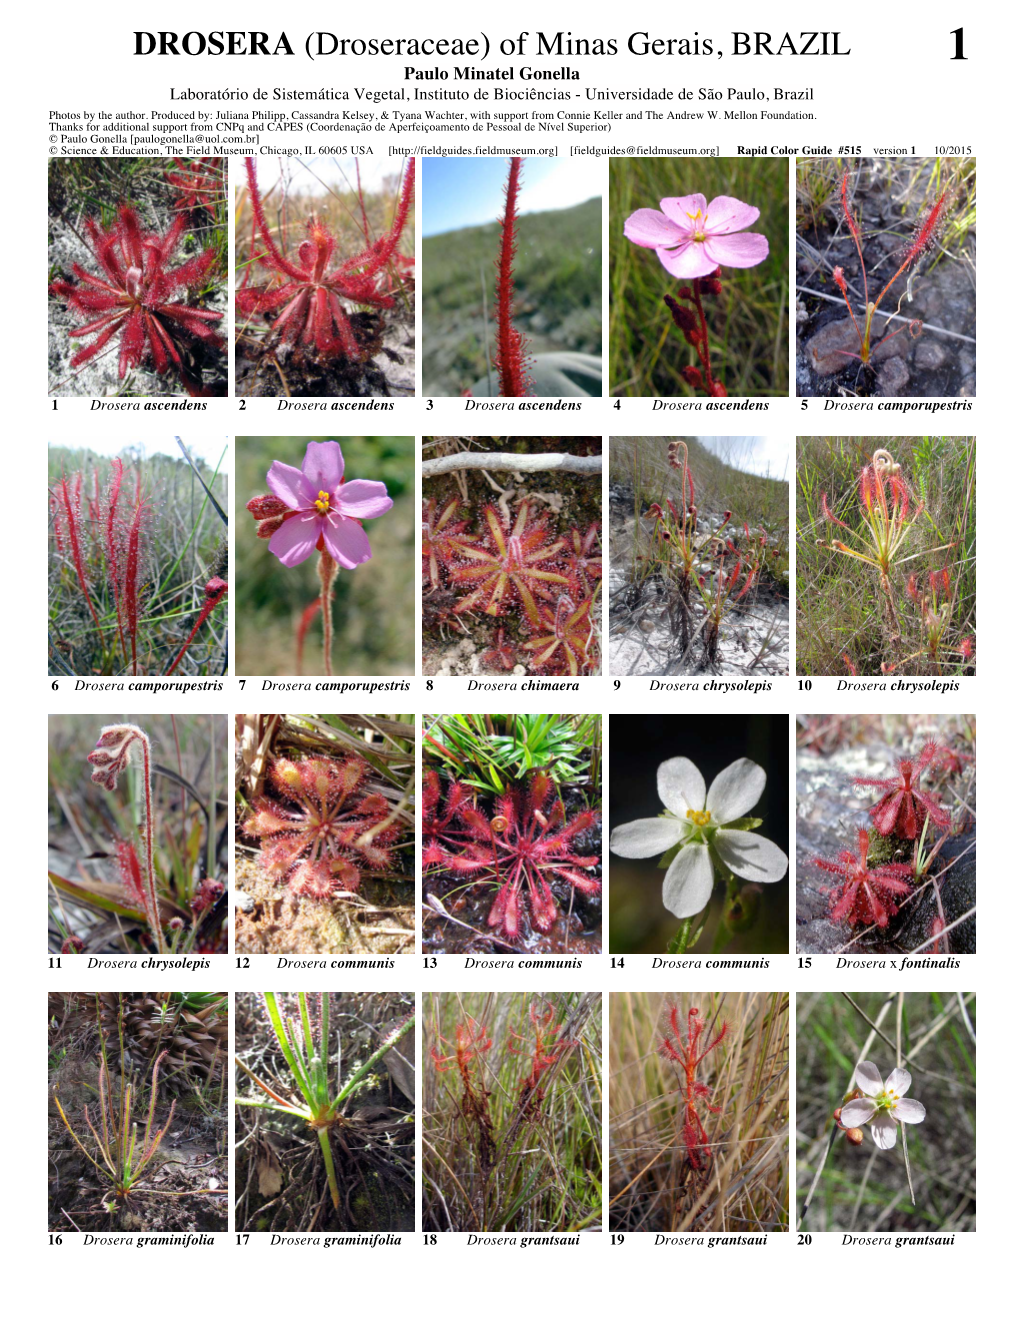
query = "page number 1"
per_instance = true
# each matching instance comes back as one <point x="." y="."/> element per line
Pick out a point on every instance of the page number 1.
<point x="958" y="34"/>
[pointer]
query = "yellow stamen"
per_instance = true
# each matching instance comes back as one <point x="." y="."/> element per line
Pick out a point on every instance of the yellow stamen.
<point x="322" y="503"/>
<point x="699" y="817"/>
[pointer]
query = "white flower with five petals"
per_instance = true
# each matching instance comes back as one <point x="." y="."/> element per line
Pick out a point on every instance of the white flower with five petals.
<point x="882" y="1105"/>
<point x="697" y="821"/>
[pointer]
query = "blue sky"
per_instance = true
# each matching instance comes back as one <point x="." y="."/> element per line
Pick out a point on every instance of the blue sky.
<point x="468" y="190"/>
<point x="763" y="454"/>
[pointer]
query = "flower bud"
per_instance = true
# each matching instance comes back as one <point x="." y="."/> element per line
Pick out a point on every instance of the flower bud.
<point x="692" y="376"/>
<point x="73" y="945"/>
<point x="683" y="318"/>
<point x="854" y="1136"/>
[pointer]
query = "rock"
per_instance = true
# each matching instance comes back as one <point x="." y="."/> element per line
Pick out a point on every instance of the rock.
<point x="828" y="350"/>
<point x="893" y="378"/>
<point x="929" y="354"/>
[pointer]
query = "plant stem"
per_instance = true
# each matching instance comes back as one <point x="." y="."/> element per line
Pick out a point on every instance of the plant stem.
<point x="150" y="865"/>
<point x="327" y="1155"/>
<point x="327" y="576"/>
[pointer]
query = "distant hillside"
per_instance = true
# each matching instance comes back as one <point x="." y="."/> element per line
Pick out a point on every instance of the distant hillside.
<point x="558" y="287"/>
<point x="558" y="265"/>
<point x="717" y="485"/>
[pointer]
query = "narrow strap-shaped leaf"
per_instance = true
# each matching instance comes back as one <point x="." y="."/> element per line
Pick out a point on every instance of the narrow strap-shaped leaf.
<point x="387" y="1045"/>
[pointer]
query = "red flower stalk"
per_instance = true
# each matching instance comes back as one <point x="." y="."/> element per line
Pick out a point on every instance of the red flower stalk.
<point x="685" y="1052"/>
<point x="313" y="316"/>
<point x="132" y="574"/>
<point x="904" y="806"/>
<point x="135" y="298"/>
<point x="304" y="623"/>
<point x="113" y="546"/>
<point x="866" y="894"/>
<point x="514" y="380"/>
<point x="66" y="521"/>
<point x="326" y="829"/>
<point x="215" y="591"/>
<point x="694" y="329"/>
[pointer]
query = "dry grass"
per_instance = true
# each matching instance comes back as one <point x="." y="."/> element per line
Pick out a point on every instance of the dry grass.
<point x="546" y="1174"/>
<point x="652" y="1185"/>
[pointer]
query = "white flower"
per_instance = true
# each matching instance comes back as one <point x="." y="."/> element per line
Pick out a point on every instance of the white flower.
<point x="883" y="1106"/>
<point x="696" y="820"/>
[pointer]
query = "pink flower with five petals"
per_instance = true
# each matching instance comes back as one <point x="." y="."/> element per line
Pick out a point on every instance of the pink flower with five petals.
<point x="692" y="237"/>
<point x="318" y="510"/>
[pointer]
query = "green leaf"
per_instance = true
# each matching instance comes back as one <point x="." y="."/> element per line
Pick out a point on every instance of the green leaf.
<point x="669" y="854"/>
<point x="744" y="823"/>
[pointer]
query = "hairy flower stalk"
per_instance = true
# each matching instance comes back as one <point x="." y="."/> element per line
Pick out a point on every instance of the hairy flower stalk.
<point x="109" y="761"/>
<point x="514" y="381"/>
<point x="67" y="522"/>
<point x="924" y="239"/>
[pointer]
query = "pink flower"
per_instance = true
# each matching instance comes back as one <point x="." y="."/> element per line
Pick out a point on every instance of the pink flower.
<point x="319" y="511"/>
<point x="692" y="237"/>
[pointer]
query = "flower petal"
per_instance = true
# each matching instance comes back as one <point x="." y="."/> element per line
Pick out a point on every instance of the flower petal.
<point x="288" y="484"/>
<point x="855" y="1113"/>
<point x="688" y="883"/>
<point x="346" y="541"/>
<point x="737" y="250"/>
<point x="868" y="1078"/>
<point x="681" y="786"/>
<point x="883" y="1129"/>
<point x="645" y="838"/>
<point x="750" y="856"/>
<point x="682" y="210"/>
<point x="735" y="790"/>
<point x="324" y="465"/>
<point x="688" y="261"/>
<point x="728" y="214"/>
<point x="909" y="1111"/>
<point x="648" y="228"/>
<point x="898" y="1081"/>
<point x="296" y="538"/>
<point x="364" y="499"/>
